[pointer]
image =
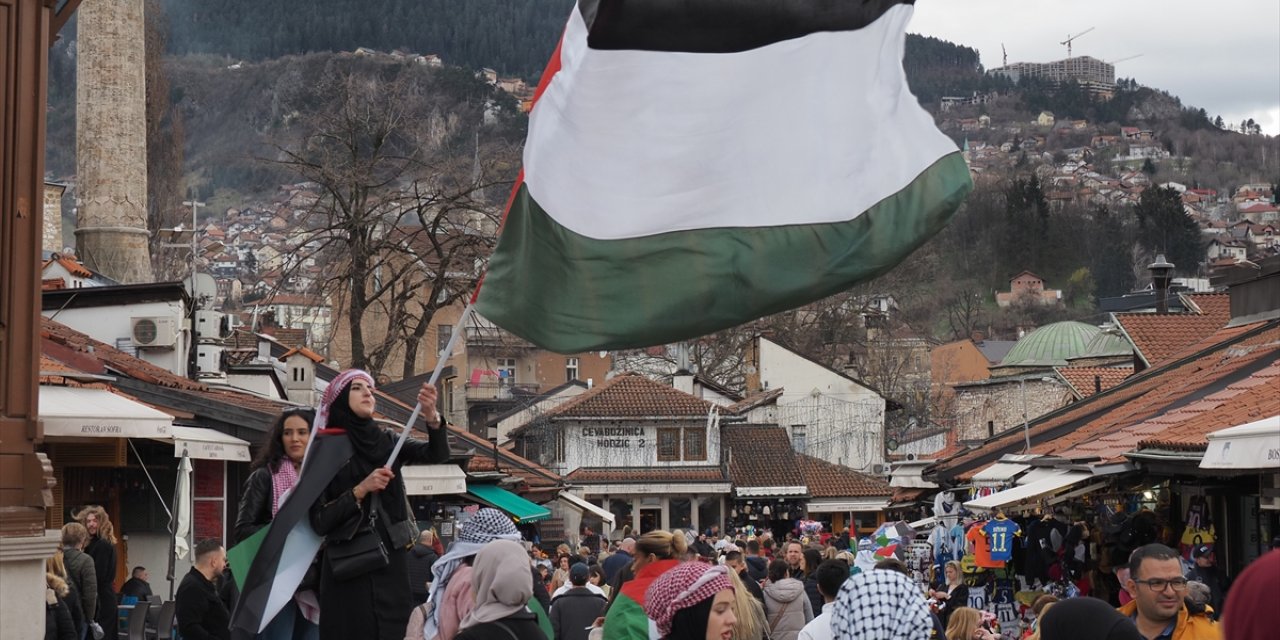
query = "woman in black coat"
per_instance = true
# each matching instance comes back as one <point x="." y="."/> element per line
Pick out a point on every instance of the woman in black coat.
<point x="275" y="472"/>
<point x="102" y="548"/>
<point x="377" y="603"/>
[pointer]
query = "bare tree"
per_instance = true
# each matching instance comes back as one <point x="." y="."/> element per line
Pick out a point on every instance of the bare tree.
<point x="401" y="227"/>
<point x="165" y="140"/>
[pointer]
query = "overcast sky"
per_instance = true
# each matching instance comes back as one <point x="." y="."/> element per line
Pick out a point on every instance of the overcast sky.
<point x="1223" y="56"/>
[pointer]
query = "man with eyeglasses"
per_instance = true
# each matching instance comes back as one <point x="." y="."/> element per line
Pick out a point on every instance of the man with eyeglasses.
<point x="1159" y="608"/>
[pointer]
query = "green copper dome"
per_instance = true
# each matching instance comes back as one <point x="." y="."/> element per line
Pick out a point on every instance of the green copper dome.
<point x="1051" y="345"/>
<point x="1107" y="344"/>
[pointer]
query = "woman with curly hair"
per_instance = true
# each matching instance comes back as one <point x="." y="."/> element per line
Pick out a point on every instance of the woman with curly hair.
<point x="102" y="548"/>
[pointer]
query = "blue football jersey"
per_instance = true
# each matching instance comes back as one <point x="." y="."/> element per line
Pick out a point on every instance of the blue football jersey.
<point x="1000" y="535"/>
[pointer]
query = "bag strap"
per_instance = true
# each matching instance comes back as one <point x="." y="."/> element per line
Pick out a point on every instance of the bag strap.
<point x="507" y="629"/>
<point x="773" y="624"/>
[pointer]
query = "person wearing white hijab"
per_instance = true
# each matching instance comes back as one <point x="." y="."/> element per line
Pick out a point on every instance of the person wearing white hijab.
<point x="502" y="585"/>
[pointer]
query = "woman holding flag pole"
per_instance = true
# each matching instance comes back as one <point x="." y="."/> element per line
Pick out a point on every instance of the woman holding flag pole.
<point x="363" y="515"/>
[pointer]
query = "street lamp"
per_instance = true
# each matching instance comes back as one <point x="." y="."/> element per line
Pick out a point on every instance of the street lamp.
<point x="1026" y="419"/>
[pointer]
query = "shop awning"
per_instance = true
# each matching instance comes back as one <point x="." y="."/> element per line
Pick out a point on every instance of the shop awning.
<point x="840" y="505"/>
<point x="1029" y="492"/>
<point x="771" y="492"/>
<point x="583" y="505"/>
<point x="1000" y="473"/>
<point x="521" y="510"/>
<point x="1037" y="474"/>
<point x="433" y="479"/>
<point x="1251" y="446"/>
<point x="97" y="413"/>
<point x="208" y="444"/>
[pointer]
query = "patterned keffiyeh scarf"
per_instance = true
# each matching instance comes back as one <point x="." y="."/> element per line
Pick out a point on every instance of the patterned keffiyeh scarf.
<point x="880" y="605"/>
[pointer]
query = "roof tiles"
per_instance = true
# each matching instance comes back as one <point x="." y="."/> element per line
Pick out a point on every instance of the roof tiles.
<point x="828" y="480"/>
<point x="761" y="456"/>
<point x="596" y="475"/>
<point x="1085" y="380"/>
<point x="631" y="395"/>
<point x="1160" y="337"/>
<point x="1227" y="384"/>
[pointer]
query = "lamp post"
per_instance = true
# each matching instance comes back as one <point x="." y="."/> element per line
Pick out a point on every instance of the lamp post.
<point x="1026" y="418"/>
<point x="1161" y="275"/>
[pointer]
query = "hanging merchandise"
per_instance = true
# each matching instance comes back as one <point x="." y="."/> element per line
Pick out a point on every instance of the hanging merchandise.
<point x="1000" y="533"/>
<point x="1199" y="529"/>
<point x="982" y="548"/>
<point x="946" y="508"/>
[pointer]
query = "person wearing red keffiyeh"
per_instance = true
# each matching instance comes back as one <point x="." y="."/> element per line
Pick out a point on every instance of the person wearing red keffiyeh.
<point x="692" y="601"/>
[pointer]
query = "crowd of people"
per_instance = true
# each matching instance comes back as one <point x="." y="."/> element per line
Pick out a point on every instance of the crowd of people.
<point x="490" y="583"/>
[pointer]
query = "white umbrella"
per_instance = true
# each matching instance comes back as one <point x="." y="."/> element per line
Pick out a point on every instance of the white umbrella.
<point x="180" y="522"/>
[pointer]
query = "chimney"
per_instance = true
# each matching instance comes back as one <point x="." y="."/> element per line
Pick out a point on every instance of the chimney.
<point x="1161" y="274"/>
<point x="1097" y="384"/>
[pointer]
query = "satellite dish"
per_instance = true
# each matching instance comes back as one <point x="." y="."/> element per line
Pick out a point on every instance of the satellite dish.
<point x="202" y="285"/>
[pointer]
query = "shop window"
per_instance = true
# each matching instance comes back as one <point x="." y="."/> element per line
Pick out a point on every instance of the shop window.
<point x="668" y="445"/>
<point x="443" y="333"/>
<point x="695" y="444"/>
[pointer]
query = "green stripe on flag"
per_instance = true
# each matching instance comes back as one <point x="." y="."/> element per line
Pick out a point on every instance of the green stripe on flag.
<point x="241" y="556"/>
<point x="570" y="293"/>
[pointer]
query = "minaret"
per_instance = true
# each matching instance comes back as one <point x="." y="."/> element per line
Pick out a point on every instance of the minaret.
<point x="111" y="140"/>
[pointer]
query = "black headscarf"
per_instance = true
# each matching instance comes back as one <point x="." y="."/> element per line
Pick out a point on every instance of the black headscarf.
<point x="372" y="447"/>
<point x="1086" y="618"/>
<point x="367" y="438"/>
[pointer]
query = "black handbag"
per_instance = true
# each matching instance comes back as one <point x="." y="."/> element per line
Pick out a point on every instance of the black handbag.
<point x="363" y="553"/>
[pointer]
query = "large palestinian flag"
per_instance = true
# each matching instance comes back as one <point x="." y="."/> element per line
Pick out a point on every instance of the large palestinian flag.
<point x="694" y="164"/>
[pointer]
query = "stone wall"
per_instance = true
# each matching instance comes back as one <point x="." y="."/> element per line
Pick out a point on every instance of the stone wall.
<point x="1001" y="403"/>
<point x="51" y="238"/>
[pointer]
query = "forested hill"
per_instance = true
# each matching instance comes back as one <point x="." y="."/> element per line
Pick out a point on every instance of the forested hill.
<point x="515" y="37"/>
<point x="512" y="36"/>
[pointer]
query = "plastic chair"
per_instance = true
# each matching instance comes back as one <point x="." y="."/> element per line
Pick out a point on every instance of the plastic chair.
<point x="164" y="622"/>
<point x="137" y="626"/>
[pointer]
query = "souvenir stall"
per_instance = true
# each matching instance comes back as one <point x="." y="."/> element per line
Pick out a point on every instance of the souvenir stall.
<point x="1046" y="532"/>
<point x="778" y="516"/>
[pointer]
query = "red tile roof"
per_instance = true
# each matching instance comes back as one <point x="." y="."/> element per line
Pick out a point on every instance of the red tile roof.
<point x="1227" y="384"/>
<point x="1159" y="337"/>
<point x="594" y="475"/>
<point x="1082" y="379"/>
<point x="309" y="354"/>
<point x="827" y="480"/>
<point x="72" y="267"/>
<point x="114" y="358"/>
<point x="757" y="400"/>
<point x="631" y="395"/>
<point x="761" y="456"/>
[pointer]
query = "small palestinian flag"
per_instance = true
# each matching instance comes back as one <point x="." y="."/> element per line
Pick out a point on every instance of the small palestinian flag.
<point x="695" y="164"/>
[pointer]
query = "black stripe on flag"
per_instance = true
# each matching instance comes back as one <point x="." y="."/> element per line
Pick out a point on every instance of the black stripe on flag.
<point x="720" y="26"/>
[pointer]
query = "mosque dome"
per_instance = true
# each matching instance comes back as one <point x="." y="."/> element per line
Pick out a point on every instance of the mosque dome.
<point x="1051" y="345"/>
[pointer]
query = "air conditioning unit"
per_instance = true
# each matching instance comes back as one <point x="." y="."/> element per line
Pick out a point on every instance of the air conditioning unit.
<point x="211" y="325"/>
<point x="911" y="457"/>
<point x="158" y="332"/>
<point x="879" y="469"/>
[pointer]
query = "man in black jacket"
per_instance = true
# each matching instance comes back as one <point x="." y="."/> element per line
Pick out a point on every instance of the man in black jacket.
<point x="200" y="612"/>
<point x="137" y="585"/>
<point x="734" y="560"/>
<point x="573" y="611"/>
<point x="421" y="558"/>
<point x="757" y="565"/>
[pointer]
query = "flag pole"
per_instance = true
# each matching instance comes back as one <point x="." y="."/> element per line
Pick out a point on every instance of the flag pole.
<point x="435" y="375"/>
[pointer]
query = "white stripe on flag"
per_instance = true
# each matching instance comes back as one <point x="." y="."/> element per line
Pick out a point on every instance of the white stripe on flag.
<point x="299" y="548"/>
<point x="818" y="129"/>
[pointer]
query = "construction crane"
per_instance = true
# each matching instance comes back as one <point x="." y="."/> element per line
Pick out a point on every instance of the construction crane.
<point x="1138" y="55"/>
<point x="1070" y="38"/>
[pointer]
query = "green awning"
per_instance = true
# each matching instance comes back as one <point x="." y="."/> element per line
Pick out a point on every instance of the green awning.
<point x="518" y="508"/>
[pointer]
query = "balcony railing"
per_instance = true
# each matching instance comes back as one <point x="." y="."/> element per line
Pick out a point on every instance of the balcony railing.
<point x="499" y="390"/>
